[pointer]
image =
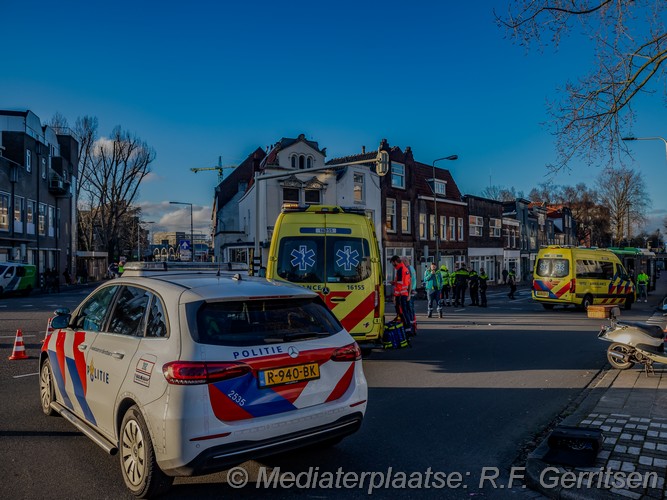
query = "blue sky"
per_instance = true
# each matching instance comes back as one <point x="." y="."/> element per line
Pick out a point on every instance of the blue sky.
<point x="200" y="80"/>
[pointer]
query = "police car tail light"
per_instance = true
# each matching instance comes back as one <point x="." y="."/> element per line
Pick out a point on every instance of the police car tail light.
<point x="350" y="352"/>
<point x="196" y="372"/>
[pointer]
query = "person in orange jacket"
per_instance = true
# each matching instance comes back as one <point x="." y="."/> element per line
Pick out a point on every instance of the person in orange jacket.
<point x="402" y="289"/>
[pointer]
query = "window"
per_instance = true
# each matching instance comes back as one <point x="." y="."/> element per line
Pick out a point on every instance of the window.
<point x="476" y="225"/>
<point x="451" y="230"/>
<point x="359" y="188"/>
<point x="422" y="226"/>
<point x="552" y="268"/>
<point x="309" y="162"/>
<point x="390" y="222"/>
<point x="431" y="227"/>
<point x="440" y="187"/>
<point x="460" y="228"/>
<point x="302" y="259"/>
<point x="18" y="214"/>
<point x="405" y="217"/>
<point x="443" y="227"/>
<point x="28" y="160"/>
<point x="43" y="168"/>
<point x="312" y="196"/>
<point x="238" y="255"/>
<point x="293" y="159"/>
<point x="398" y="175"/>
<point x="302" y="162"/>
<point x="129" y="313"/>
<point x="92" y="314"/>
<point x="259" y="322"/>
<point x="594" y="269"/>
<point x="157" y="320"/>
<point x="30" y="216"/>
<point x="51" y="221"/>
<point x="495" y="228"/>
<point x="42" y="219"/>
<point x="4" y="212"/>
<point x="290" y="195"/>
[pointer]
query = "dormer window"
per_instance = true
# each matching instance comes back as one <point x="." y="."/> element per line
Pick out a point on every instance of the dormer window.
<point x="309" y="162"/>
<point x="440" y="187"/>
<point x="302" y="162"/>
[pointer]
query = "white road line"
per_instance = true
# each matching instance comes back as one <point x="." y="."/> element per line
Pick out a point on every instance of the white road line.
<point x="13" y="336"/>
<point x="26" y="375"/>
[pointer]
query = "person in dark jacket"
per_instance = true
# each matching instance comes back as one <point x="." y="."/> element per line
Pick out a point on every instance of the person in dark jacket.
<point x="460" y="285"/>
<point x="473" y="282"/>
<point x="511" y="280"/>
<point x="483" y="278"/>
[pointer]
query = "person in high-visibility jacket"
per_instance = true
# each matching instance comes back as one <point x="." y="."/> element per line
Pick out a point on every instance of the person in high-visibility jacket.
<point x="402" y="289"/>
<point x="446" y="286"/>
<point x="642" y="284"/>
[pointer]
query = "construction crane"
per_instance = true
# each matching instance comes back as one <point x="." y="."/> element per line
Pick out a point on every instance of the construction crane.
<point x="218" y="167"/>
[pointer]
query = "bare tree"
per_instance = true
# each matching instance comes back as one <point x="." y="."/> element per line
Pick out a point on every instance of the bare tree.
<point x="110" y="184"/>
<point x="500" y="193"/>
<point x="631" y="48"/>
<point x="85" y="130"/>
<point x="546" y="192"/>
<point x="623" y="192"/>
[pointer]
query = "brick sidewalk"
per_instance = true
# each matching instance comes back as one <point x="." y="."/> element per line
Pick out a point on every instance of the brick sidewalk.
<point x="630" y="407"/>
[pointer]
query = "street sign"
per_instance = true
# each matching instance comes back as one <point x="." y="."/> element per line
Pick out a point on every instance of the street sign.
<point x="185" y="250"/>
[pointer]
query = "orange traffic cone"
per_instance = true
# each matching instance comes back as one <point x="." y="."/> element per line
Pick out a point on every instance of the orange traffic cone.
<point x="19" y="348"/>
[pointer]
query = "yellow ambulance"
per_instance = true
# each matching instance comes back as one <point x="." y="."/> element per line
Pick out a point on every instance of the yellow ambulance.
<point x="580" y="276"/>
<point x="333" y="251"/>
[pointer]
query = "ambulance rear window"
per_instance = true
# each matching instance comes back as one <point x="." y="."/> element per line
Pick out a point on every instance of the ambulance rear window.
<point x="324" y="259"/>
<point x="552" y="268"/>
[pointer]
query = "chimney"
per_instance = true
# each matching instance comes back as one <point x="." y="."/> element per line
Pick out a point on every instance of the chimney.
<point x="363" y="150"/>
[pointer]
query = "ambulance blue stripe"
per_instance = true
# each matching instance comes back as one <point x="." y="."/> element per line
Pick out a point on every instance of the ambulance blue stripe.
<point x="60" y="381"/>
<point x="78" y="390"/>
<point x="259" y="402"/>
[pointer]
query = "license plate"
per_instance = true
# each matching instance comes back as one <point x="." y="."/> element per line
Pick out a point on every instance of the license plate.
<point x="541" y="293"/>
<point x="289" y="374"/>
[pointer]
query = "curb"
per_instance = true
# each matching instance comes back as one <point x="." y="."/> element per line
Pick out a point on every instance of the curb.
<point x="540" y="474"/>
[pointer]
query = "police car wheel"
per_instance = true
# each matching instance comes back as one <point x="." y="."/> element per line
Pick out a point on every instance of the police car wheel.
<point x="46" y="391"/>
<point x="141" y="473"/>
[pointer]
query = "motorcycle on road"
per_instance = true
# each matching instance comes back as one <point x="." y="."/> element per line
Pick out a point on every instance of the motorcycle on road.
<point x="634" y="342"/>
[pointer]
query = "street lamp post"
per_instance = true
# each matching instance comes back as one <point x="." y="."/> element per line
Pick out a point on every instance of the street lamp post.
<point x="436" y="229"/>
<point x="192" y="234"/>
<point x="648" y="139"/>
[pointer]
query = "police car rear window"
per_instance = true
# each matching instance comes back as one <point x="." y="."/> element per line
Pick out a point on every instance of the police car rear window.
<point x="552" y="268"/>
<point x="257" y="322"/>
<point x="324" y="259"/>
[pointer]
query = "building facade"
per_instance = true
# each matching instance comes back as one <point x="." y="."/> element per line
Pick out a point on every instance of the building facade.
<point x="38" y="173"/>
<point x="485" y="236"/>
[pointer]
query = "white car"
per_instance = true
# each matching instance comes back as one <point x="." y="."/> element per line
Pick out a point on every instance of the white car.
<point x="190" y="372"/>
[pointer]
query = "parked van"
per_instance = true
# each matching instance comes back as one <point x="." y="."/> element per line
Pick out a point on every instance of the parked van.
<point x="17" y="278"/>
<point x="581" y="277"/>
<point x="333" y="251"/>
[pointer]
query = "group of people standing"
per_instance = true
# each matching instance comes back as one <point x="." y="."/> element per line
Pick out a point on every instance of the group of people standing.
<point x="444" y="289"/>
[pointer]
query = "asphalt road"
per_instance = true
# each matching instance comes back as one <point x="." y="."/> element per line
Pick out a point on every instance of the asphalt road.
<point x="472" y="391"/>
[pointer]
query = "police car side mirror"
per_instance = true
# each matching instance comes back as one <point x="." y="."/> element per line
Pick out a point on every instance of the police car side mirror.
<point x="60" y="321"/>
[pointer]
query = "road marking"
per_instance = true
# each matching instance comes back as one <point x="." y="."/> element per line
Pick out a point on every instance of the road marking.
<point x="26" y="375"/>
<point x="12" y="336"/>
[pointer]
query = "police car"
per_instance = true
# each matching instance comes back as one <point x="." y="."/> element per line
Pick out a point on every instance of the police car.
<point x="187" y="372"/>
